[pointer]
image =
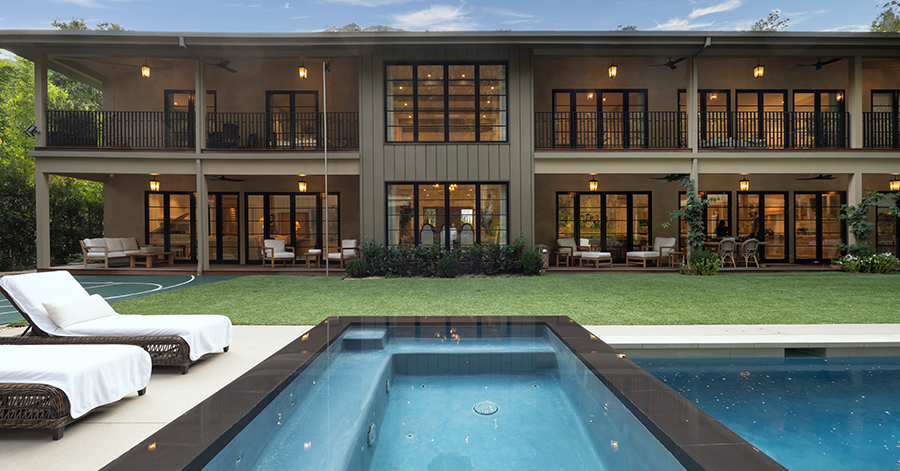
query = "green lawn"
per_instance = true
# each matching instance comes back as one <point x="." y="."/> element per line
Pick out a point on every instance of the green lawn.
<point x="590" y="299"/>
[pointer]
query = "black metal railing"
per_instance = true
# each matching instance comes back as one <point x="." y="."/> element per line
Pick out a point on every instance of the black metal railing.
<point x="119" y="129"/>
<point x="176" y="130"/>
<point x="774" y="130"/>
<point x="282" y="130"/>
<point x="609" y="130"/>
<point x="881" y="130"/>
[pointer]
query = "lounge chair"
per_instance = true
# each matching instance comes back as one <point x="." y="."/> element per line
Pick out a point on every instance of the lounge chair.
<point x="274" y="249"/>
<point x="60" y="311"/>
<point x="50" y="386"/>
<point x="660" y="250"/>
<point x="349" y="250"/>
<point x="568" y="251"/>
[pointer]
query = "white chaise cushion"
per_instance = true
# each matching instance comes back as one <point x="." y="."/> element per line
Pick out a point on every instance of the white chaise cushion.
<point x="90" y="375"/>
<point x="641" y="254"/>
<point x="31" y="290"/>
<point x="597" y="255"/>
<point x="72" y="311"/>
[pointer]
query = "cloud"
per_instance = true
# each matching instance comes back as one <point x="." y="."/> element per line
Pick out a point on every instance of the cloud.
<point x="722" y="7"/>
<point x="286" y="6"/>
<point x="677" y="24"/>
<point x="850" y="28"/>
<point x="502" y="12"/>
<point x="300" y="17"/>
<point x="241" y="5"/>
<point x="437" y="18"/>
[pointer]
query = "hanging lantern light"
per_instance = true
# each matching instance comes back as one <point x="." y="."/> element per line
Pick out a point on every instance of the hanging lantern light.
<point x="759" y="70"/>
<point x="154" y="185"/>
<point x="302" y="71"/>
<point x="145" y="70"/>
<point x="301" y="185"/>
<point x="613" y="69"/>
<point x="895" y="184"/>
<point x="593" y="183"/>
<point x="745" y="184"/>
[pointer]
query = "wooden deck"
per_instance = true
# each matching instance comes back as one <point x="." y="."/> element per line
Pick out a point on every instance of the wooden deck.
<point x="334" y="270"/>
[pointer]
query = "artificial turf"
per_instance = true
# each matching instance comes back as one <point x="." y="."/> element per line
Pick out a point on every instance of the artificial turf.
<point x="590" y="299"/>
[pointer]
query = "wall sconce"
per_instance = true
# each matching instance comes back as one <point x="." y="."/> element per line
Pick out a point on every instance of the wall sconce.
<point x="145" y="70"/>
<point x="154" y="185"/>
<point x="613" y="69"/>
<point x="301" y="185"/>
<point x="302" y="71"/>
<point x="759" y="70"/>
<point x="895" y="184"/>
<point x="745" y="184"/>
<point x="593" y="183"/>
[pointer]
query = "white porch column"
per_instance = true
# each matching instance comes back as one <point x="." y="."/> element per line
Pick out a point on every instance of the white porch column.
<point x="40" y="99"/>
<point x="854" y="102"/>
<point x="691" y="107"/>
<point x="42" y="214"/>
<point x="202" y="221"/>
<point x="200" y="106"/>
<point x="854" y="197"/>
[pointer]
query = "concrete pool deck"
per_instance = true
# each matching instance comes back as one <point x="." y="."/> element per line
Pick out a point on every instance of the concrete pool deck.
<point x="106" y="433"/>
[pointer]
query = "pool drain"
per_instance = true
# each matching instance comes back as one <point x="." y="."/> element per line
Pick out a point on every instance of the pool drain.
<point x="485" y="408"/>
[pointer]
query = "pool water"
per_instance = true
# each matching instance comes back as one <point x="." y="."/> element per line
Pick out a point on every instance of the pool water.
<point x="430" y="424"/>
<point x="377" y="401"/>
<point x="807" y="414"/>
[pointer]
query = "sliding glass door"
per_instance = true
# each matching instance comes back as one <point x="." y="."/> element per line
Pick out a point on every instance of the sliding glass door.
<point x="816" y="227"/>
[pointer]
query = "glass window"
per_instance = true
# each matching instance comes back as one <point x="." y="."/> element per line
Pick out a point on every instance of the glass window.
<point x="768" y="212"/>
<point x="887" y="231"/>
<point x="593" y="119"/>
<point x="292" y="119"/>
<point x="816" y="228"/>
<point x="296" y="218"/>
<point x="171" y="223"/>
<point x="610" y="222"/>
<point x="446" y="103"/>
<point x="223" y="227"/>
<point x="447" y="214"/>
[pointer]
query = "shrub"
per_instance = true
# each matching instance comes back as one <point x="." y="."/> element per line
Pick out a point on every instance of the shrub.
<point x="448" y="266"/>
<point x="881" y="263"/>
<point x="702" y="263"/>
<point x="532" y="263"/>
<point x="357" y="268"/>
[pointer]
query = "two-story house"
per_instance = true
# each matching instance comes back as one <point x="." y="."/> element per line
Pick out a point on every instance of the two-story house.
<point x="209" y="143"/>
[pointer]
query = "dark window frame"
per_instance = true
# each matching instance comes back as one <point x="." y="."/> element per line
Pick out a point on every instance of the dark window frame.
<point x="167" y="234"/>
<point x="446" y="109"/>
<point x="819" y="219"/>
<point x="417" y="233"/>
<point x="320" y="218"/>
<point x="292" y="130"/>
<point x="762" y="216"/>
<point x="219" y="221"/>
<point x="603" y="208"/>
<point x="599" y="130"/>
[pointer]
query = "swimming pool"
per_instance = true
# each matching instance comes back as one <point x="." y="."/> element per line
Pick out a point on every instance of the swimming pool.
<point x="409" y="392"/>
<point x="836" y="413"/>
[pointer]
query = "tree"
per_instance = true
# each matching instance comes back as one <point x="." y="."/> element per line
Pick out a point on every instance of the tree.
<point x="773" y="22"/>
<point x="888" y="21"/>
<point x="626" y="28"/>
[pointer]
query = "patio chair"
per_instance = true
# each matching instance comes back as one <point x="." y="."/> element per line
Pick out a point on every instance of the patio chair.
<point x="750" y="251"/>
<point x="274" y="249"/>
<point x="660" y="250"/>
<point x="51" y="386"/>
<point x="726" y="251"/>
<point x="568" y="251"/>
<point x="426" y="235"/>
<point x="349" y="250"/>
<point x="60" y="311"/>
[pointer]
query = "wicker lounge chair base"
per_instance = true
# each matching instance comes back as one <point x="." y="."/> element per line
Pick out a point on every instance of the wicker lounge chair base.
<point x="36" y="406"/>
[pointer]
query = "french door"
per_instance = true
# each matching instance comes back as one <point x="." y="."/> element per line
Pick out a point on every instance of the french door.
<point x="816" y="227"/>
<point x="171" y="223"/>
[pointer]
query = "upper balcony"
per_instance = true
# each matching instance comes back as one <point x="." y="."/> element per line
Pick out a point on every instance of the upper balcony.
<point x="225" y="130"/>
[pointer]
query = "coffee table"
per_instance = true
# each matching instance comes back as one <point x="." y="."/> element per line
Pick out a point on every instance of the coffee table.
<point x="146" y="259"/>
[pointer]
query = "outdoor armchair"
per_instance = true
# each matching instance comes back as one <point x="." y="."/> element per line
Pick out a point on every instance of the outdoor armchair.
<point x="660" y="250"/>
<point x="349" y="250"/>
<point x="726" y="250"/>
<point x="60" y="311"/>
<point x="568" y="251"/>
<point x="750" y="252"/>
<point x="274" y="249"/>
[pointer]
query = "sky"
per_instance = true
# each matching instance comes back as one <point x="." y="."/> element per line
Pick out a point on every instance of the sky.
<point x="282" y="16"/>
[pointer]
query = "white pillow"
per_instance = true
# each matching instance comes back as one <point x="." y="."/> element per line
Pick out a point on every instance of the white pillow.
<point x="72" y="311"/>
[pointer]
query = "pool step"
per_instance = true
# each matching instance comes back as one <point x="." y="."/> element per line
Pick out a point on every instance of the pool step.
<point x="365" y="339"/>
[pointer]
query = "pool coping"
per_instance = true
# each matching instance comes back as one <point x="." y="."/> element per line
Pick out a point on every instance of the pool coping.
<point x="697" y="441"/>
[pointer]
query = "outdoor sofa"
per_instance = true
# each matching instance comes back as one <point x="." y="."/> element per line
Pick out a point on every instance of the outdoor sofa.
<point x="106" y="248"/>
<point x="50" y="386"/>
<point x="60" y="311"/>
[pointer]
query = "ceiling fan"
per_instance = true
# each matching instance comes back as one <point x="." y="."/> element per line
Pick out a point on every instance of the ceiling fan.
<point x="223" y="178"/>
<point x="673" y="177"/>
<point x="670" y="64"/>
<point x="818" y="177"/>
<point x="818" y="65"/>
<point x="224" y="65"/>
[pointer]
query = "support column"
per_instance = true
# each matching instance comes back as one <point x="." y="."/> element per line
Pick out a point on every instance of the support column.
<point x="693" y="134"/>
<point x="854" y="197"/>
<point x="40" y="99"/>
<point x="200" y="106"/>
<point x="42" y="214"/>
<point x="854" y="102"/>
<point x="202" y="220"/>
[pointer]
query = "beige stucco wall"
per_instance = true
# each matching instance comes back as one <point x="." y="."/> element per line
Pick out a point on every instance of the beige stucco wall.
<point x="244" y="91"/>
